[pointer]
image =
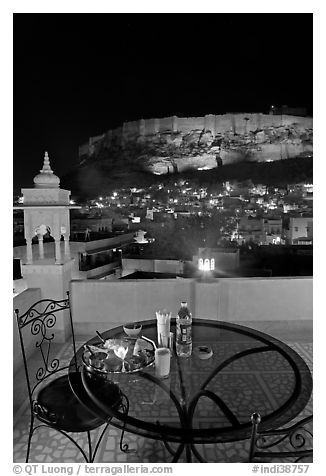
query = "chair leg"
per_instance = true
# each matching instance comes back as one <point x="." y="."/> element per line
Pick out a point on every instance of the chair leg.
<point x="30" y="435"/>
<point x="98" y="442"/>
<point x="89" y="447"/>
<point x="91" y="454"/>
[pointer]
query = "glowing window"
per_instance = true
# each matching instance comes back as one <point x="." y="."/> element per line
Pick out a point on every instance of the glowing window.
<point x="206" y="265"/>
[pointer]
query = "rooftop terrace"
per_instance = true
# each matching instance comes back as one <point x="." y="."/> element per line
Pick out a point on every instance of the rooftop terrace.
<point x="281" y="307"/>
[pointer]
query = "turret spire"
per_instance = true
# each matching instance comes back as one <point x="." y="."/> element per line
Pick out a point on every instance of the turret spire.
<point x="46" y="165"/>
<point x="46" y="178"/>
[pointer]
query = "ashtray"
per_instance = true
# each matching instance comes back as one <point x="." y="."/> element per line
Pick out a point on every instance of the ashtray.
<point x="203" y="352"/>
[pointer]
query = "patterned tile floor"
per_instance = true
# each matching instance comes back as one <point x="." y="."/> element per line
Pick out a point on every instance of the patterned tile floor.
<point x="49" y="446"/>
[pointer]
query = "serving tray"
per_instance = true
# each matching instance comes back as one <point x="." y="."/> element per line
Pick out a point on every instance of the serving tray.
<point x="102" y="358"/>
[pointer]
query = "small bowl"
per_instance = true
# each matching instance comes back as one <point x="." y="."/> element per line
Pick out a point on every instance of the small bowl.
<point x="132" y="329"/>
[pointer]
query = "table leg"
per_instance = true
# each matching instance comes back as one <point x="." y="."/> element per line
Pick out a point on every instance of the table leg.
<point x="188" y="453"/>
<point x="124" y="446"/>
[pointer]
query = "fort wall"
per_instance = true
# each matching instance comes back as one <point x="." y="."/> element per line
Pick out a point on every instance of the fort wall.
<point x="218" y="125"/>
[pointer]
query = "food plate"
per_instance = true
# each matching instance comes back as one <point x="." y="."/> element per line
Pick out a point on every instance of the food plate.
<point x="108" y="357"/>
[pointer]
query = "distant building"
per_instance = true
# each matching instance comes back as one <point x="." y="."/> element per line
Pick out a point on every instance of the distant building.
<point x="262" y="231"/>
<point x="286" y="110"/>
<point x="258" y="189"/>
<point x="95" y="224"/>
<point x="300" y="230"/>
<point x="303" y="241"/>
<point x="273" y="239"/>
<point x="184" y="212"/>
<point x="249" y="224"/>
<point x="217" y="259"/>
<point x="150" y="214"/>
<point x="288" y="207"/>
<point x="272" y="225"/>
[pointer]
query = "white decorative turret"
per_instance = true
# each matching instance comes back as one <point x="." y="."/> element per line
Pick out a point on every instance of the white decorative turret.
<point x="46" y="178"/>
<point x="46" y="211"/>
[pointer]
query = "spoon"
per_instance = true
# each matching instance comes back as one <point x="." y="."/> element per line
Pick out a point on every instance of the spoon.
<point x="100" y="336"/>
<point x="89" y="350"/>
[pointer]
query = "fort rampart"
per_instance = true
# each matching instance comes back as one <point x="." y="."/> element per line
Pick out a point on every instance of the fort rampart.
<point x="236" y="123"/>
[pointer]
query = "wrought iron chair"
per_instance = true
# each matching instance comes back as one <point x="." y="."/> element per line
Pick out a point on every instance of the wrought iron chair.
<point x="52" y="402"/>
<point x="298" y="437"/>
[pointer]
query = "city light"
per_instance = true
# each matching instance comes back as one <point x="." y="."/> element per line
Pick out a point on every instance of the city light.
<point x="204" y="168"/>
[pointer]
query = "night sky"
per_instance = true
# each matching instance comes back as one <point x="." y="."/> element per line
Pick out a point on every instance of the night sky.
<point x="78" y="75"/>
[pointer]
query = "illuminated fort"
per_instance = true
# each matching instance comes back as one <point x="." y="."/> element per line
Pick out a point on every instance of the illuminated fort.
<point x="171" y="144"/>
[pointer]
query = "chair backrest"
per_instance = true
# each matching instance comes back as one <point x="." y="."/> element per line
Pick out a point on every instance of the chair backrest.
<point x="39" y="321"/>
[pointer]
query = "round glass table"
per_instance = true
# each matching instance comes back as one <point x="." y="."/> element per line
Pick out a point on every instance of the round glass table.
<point x="202" y="401"/>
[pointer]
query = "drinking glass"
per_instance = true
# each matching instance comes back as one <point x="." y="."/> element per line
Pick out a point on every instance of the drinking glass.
<point x="121" y="352"/>
<point x="163" y="327"/>
<point x="162" y="362"/>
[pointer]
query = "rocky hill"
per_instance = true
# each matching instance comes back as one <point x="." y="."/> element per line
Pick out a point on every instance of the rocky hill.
<point x="162" y="146"/>
<point x="142" y="151"/>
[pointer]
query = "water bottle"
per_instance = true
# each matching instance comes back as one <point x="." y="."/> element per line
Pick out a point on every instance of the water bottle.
<point x="183" y="330"/>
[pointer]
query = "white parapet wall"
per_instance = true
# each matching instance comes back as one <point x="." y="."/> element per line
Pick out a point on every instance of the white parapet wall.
<point x="53" y="281"/>
<point x="264" y="303"/>
<point x="106" y="304"/>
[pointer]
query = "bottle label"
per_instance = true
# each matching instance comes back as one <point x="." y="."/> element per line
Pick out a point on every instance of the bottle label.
<point x="184" y="333"/>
